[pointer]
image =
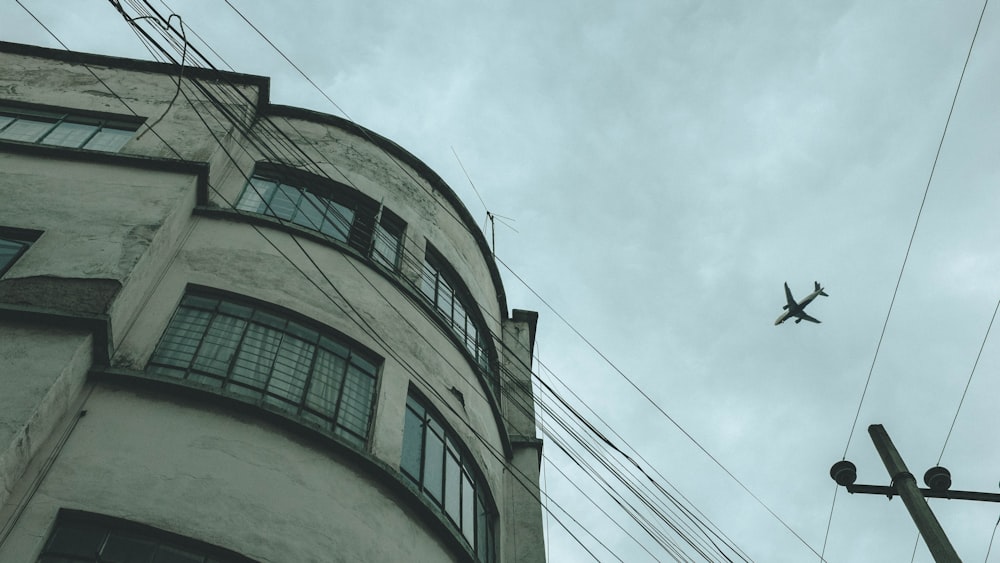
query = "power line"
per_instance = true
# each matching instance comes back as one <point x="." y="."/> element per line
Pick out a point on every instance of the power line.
<point x="184" y="43"/>
<point x="259" y="32"/>
<point x="969" y="382"/>
<point x="913" y="234"/>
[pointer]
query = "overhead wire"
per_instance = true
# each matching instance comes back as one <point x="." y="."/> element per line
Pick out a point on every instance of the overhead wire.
<point x="272" y="44"/>
<point x="660" y="409"/>
<point x="913" y="233"/>
<point x="906" y="256"/>
<point x="220" y="143"/>
<point x="968" y="383"/>
<point x="266" y="238"/>
<point x="386" y="345"/>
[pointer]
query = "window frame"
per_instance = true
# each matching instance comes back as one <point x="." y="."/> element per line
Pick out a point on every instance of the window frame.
<point x="483" y="515"/>
<point x="355" y="362"/>
<point x="57" y="117"/>
<point x="471" y="337"/>
<point x="370" y="223"/>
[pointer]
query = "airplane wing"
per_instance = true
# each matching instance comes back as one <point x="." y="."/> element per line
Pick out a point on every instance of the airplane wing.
<point x="789" y="298"/>
<point x="806" y="317"/>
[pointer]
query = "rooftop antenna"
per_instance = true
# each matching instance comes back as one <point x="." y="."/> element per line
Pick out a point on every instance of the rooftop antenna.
<point x="490" y="216"/>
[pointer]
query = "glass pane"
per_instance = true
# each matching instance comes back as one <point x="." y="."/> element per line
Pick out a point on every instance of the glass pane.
<point x="257" y="191"/>
<point x="428" y="280"/>
<point x="75" y="539"/>
<point x="468" y="514"/>
<point x="415" y="405"/>
<point x="433" y="465"/>
<point x="452" y="487"/>
<point x="27" y="130"/>
<point x="355" y="405"/>
<point x="310" y="213"/>
<point x="458" y="318"/>
<point x="9" y="250"/>
<point x="69" y="134"/>
<point x="444" y="297"/>
<point x="291" y="368"/>
<point x="180" y="341"/>
<point x="5" y="120"/>
<point x="338" y="220"/>
<point x="471" y="338"/>
<point x="413" y="444"/>
<point x="285" y="201"/>
<point x="109" y="139"/>
<point x="257" y="354"/>
<point x="121" y="549"/>
<point x="386" y="248"/>
<point x="328" y="374"/>
<point x="219" y="345"/>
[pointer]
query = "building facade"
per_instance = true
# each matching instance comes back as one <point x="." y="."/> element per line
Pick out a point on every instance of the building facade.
<point x="237" y="331"/>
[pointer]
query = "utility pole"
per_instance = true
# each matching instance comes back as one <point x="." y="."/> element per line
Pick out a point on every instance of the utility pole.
<point x="938" y="479"/>
<point x="906" y="484"/>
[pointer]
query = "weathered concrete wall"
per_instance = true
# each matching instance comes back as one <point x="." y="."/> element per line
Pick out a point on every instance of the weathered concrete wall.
<point x="121" y="241"/>
<point x="39" y="80"/>
<point x="42" y="369"/>
<point x="226" y="479"/>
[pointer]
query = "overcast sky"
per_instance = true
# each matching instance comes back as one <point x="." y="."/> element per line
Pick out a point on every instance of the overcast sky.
<point x="667" y="166"/>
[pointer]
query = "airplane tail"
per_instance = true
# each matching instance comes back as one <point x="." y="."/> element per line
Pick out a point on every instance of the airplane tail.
<point x="820" y="289"/>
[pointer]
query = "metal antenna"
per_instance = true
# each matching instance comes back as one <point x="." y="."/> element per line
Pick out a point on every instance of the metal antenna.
<point x="490" y="216"/>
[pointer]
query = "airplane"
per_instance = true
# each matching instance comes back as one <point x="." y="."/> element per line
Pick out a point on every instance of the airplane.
<point x="793" y="309"/>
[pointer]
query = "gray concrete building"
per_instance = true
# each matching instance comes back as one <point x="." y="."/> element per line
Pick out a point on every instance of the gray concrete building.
<point x="237" y="331"/>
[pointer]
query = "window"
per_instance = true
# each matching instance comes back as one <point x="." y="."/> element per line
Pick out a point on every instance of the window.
<point x="64" y="130"/>
<point x="434" y="460"/>
<point x="13" y="244"/>
<point x="340" y="216"/>
<point x="94" y="538"/>
<point x="262" y="355"/>
<point x="441" y="289"/>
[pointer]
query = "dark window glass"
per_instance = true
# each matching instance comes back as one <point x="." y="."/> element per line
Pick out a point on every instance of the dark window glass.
<point x="127" y="549"/>
<point x="434" y="465"/>
<point x="452" y="485"/>
<point x="413" y="445"/>
<point x="96" y="539"/>
<point x="434" y="460"/>
<point x="262" y="355"/>
<point x="76" y="539"/>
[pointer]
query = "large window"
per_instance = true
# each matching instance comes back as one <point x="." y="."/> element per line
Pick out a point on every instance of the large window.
<point x="94" y="538"/>
<point x="265" y="356"/>
<point x="445" y="473"/>
<point x="64" y="129"/>
<point x="356" y="221"/>
<point x="446" y="293"/>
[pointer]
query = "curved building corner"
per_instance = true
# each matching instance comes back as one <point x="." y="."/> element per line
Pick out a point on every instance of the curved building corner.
<point x="232" y="331"/>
